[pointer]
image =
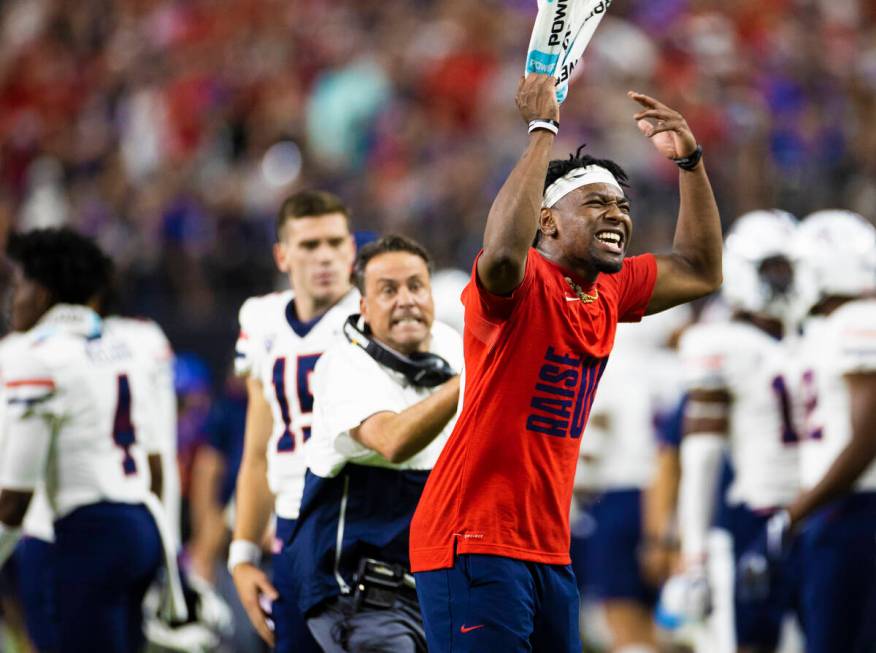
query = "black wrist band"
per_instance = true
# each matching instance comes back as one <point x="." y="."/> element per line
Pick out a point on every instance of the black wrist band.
<point x="690" y="161"/>
<point x="544" y="123"/>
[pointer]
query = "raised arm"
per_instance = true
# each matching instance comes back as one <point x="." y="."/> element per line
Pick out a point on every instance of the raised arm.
<point x="513" y="217"/>
<point x="693" y="269"/>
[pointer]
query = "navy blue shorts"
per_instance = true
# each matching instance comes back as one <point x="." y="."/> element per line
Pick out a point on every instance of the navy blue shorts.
<point x="839" y="576"/>
<point x="491" y="603"/>
<point x="605" y="549"/>
<point x="36" y="564"/>
<point x="291" y="631"/>
<point x="759" y="622"/>
<point x="107" y="555"/>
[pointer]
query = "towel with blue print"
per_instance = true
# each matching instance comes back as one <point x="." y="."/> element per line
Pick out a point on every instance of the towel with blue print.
<point x="562" y="31"/>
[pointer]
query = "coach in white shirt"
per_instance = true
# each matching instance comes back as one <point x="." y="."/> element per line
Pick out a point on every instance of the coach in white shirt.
<point x="385" y="404"/>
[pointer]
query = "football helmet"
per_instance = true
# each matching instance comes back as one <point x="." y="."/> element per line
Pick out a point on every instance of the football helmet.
<point x="758" y="270"/>
<point x="835" y="254"/>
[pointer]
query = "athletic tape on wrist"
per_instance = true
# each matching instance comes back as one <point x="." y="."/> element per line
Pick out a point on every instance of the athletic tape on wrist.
<point x="544" y="123"/>
<point x="241" y="551"/>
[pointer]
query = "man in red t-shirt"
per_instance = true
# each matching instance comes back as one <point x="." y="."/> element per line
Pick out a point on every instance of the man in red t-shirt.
<point x="490" y="537"/>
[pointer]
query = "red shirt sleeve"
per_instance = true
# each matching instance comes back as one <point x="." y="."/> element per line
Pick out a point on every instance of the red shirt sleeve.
<point x="636" y="284"/>
<point x="491" y="306"/>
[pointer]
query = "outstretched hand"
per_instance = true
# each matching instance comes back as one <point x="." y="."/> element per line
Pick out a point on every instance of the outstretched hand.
<point x="667" y="128"/>
<point x="536" y="98"/>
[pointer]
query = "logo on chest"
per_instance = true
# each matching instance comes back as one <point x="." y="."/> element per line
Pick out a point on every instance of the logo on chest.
<point x="563" y="394"/>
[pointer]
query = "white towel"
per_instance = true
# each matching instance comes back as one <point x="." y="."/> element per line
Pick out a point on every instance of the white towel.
<point x="562" y="30"/>
<point x="173" y="606"/>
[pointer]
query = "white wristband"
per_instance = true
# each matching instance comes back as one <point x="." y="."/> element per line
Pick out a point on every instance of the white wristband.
<point x="548" y="125"/>
<point x="8" y="539"/>
<point x="241" y="551"/>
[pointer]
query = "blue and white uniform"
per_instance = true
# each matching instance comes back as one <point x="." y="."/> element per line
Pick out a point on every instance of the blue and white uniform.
<point x="839" y="541"/>
<point x="281" y="352"/>
<point x="357" y="504"/>
<point x="77" y="420"/>
<point x="617" y="459"/>
<point x="749" y="365"/>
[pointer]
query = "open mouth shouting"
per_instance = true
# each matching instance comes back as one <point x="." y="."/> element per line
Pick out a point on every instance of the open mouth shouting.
<point x="611" y="240"/>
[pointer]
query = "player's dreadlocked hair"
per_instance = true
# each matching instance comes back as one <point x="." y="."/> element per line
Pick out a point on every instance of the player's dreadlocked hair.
<point x="72" y="267"/>
<point x="560" y="167"/>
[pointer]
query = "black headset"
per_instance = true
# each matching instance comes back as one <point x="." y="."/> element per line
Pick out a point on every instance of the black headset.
<point x="422" y="369"/>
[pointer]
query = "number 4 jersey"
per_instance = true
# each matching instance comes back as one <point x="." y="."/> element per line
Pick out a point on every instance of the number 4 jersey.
<point x="747" y="363"/>
<point x="77" y="413"/>
<point x="281" y="352"/>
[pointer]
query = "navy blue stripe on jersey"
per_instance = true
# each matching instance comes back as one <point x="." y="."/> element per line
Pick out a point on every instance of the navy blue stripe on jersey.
<point x="28" y="401"/>
<point x="367" y="510"/>
<point x="299" y="327"/>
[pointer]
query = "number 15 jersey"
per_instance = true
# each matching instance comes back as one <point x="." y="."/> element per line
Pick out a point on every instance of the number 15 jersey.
<point x="281" y="352"/>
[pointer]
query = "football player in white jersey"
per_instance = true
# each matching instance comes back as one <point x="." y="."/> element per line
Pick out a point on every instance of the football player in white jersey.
<point x="75" y="421"/>
<point x="738" y="402"/>
<point x="835" y="514"/>
<point x="282" y="335"/>
<point x="151" y="345"/>
<point x="642" y="382"/>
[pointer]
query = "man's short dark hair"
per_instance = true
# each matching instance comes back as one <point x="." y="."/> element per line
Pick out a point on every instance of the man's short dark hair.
<point x="561" y="167"/>
<point x="389" y="243"/>
<point x="309" y="203"/>
<point x="69" y="265"/>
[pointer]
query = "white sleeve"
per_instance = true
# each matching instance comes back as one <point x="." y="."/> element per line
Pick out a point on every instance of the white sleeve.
<point x="246" y="353"/>
<point x="704" y="361"/>
<point x="347" y="392"/>
<point x="162" y="407"/>
<point x="701" y="457"/>
<point x="857" y="339"/>
<point x="165" y="404"/>
<point x="29" y="421"/>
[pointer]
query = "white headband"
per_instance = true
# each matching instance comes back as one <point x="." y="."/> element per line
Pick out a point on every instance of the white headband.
<point x="592" y="174"/>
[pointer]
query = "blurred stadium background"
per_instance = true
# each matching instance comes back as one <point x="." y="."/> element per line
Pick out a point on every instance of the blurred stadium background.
<point x="169" y="130"/>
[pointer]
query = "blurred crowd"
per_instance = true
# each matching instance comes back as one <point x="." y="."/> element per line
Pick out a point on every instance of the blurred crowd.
<point x="170" y="129"/>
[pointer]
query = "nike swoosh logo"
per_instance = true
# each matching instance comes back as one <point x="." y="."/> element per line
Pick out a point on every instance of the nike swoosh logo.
<point x="468" y="629"/>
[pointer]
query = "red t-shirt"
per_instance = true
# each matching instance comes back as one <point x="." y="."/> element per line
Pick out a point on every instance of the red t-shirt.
<point x="503" y="484"/>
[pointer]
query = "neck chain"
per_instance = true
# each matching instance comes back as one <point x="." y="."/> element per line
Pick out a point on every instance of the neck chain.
<point x="579" y="291"/>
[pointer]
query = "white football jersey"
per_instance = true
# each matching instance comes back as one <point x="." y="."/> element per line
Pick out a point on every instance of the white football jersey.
<point x="749" y="364"/>
<point x="75" y="414"/>
<point x="842" y="343"/>
<point x="350" y="387"/>
<point x="620" y="446"/>
<point x="272" y="351"/>
<point x="149" y="344"/>
<point x="38" y="520"/>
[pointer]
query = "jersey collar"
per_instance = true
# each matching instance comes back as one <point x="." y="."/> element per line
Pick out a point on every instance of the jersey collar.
<point x="72" y="318"/>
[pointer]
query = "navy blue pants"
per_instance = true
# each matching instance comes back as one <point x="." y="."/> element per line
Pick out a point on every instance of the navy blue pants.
<point x="759" y="621"/>
<point x="839" y="576"/>
<point x="107" y="556"/>
<point x="291" y="631"/>
<point x="36" y="564"/>
<point x="605" y="549"/>
<point x="491" y="603"/>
